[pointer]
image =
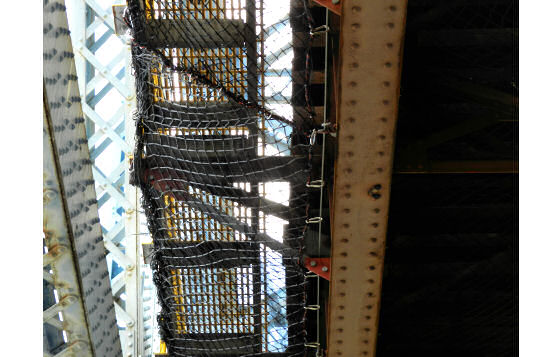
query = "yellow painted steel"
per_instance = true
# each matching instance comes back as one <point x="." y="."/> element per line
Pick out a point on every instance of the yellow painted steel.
<point x="208" y="300"/>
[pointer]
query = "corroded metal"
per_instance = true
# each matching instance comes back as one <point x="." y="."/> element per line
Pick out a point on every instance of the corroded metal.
<point x="72" y="231"/>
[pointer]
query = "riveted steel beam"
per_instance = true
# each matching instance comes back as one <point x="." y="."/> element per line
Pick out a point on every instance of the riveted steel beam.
<point x="371" y="38"/>
<point x="71" y="168"/>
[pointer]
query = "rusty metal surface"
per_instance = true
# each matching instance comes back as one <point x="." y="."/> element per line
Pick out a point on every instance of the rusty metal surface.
<point x="83" y="248"/>
<point x="371" y="40"/>
<point x="59" y="259"/>
<point x="332" y="5"/>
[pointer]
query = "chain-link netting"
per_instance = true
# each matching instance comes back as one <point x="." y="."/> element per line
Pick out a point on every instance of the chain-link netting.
<point x="222" y="159"/>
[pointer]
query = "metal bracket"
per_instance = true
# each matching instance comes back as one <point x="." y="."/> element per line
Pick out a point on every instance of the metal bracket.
<point x="332" y="5"/>
<point x="319" y="266"/>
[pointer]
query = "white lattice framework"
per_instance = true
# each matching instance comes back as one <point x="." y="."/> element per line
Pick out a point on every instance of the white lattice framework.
<point x="103" y="63"/>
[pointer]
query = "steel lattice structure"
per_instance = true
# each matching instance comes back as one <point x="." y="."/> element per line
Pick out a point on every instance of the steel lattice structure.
<point x="108" y="100"/>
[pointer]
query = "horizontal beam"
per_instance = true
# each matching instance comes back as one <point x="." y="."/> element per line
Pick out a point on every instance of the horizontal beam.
<point x="211" y="254"/>
<point x="175" y="166"/>
<point x="500" y="101"/>
<point x="232" y="222"/>
<point x="193" y="33"/>
<point x="468" y="37"/>
<point x="464" y="167"/>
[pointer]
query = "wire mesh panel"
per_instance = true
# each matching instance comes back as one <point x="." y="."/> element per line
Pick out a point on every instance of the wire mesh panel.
<point x="223" y="160"/>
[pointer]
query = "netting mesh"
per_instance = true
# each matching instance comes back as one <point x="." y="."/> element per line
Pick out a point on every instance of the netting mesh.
<point x="222" y="159"/>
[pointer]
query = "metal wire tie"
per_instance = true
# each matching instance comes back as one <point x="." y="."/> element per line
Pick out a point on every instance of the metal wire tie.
<point x="312" y="307"/>
<point x="312" y="344"/>
<point x="316" y="184"/>
<point x="313" y="137"/>
<point x="314" y="220"/>
<point x="320" y="30"/>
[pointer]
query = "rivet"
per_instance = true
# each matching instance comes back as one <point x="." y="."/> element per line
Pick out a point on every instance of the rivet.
<point x="356" y="9"/>
<point x="313" y="263"/>
<point x="390" y="25"/>
<point x="353" y="84"/>
<point x="355" y="26"/>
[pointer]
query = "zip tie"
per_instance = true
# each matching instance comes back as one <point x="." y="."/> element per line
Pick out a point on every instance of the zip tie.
<point x="314" y="220"/>
<point x="311" y="276"/>
<point x="316" y="184"/>
<point x="319" y="30"/>
<point x="312" y="307"/>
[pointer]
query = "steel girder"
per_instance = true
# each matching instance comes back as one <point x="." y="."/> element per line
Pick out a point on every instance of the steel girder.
<point x="103" y="63"/>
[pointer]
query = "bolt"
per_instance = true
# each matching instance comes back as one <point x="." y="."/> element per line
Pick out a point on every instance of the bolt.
<point x="335" y="2"/>
<point x="313" y="263"/>
<point x="324" y="268"/>
<point x="49" y="194"/>
<point x="130" y="324"/>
